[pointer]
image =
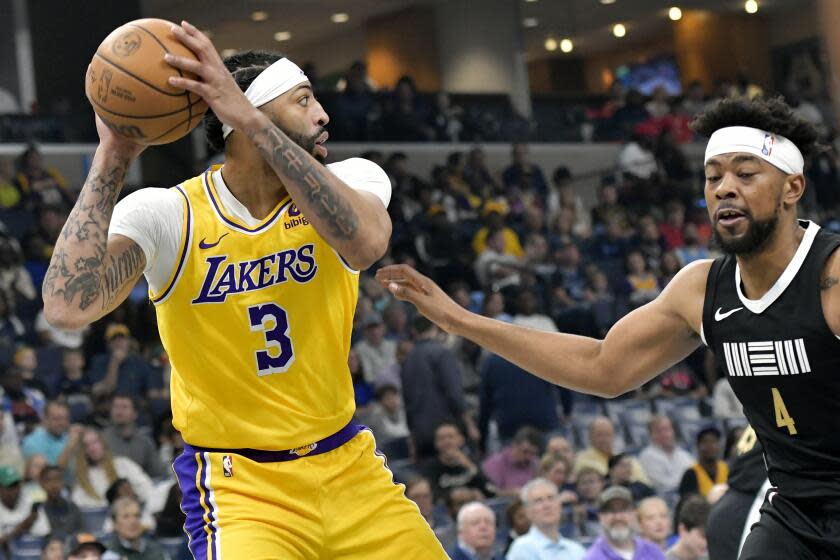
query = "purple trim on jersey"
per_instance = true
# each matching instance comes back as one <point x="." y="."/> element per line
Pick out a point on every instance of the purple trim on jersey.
<point x="185" y="466"/>
<point x="186" y="250"/>
<point x="327" y="444"/>
<point x="233" y="224"/>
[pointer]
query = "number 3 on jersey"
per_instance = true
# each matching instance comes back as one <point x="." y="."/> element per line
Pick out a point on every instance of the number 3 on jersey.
<point x="783" y="419"/>
<point x="278" y="354"/>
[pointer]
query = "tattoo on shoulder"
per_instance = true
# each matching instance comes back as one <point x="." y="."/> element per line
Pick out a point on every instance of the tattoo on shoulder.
<point x="286" y="156"/>
<point x="828" y="282"/>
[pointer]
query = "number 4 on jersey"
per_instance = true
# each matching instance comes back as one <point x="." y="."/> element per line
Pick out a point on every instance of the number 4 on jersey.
<point x="783" y="419"/>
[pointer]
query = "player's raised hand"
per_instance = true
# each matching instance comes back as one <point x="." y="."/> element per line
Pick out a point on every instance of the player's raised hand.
<point x="215" y="84"/>
<point x="409" y="285"/>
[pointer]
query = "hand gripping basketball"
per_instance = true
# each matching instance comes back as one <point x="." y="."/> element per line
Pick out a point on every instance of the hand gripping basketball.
<point x="215" y="83"/>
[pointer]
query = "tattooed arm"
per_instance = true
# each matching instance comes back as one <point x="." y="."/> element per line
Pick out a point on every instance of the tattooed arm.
<point x="354" y="223"/>
<point x="89" y="275"/>
<point x="830" y="291"/>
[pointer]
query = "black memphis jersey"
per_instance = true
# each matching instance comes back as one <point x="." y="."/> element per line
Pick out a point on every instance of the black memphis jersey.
<point x="783" y="362"/>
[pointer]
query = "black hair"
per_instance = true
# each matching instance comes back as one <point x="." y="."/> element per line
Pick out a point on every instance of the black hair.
<point x="50" y="469"/>
<point x="693" y="513"/>
<point x="114" y="488"/>
<point x="529" y="434"/>
<point x="245" y="67"/>
<point x="771" y="114"/>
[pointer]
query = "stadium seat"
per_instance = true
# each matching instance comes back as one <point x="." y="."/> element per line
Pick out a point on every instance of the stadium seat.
<point x="639" y="434"/>
<point x="395" y="449"/>
<point x="27" y="544"/>
<point x="26" y="554"/>
<point x="94" y="518"/>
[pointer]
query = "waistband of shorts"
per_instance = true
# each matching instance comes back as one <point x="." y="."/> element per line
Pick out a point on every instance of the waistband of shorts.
<point x="325" y="445"/>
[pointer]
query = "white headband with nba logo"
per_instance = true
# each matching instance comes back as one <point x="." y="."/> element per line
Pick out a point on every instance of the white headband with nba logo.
<point x="270" y="84"/>
<point x="772" y="148"/>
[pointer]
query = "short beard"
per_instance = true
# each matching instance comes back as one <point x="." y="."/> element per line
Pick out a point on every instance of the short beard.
<point x="307" y="143"/>
<point x="619" y="534"/>
<point x="758" y="233"/>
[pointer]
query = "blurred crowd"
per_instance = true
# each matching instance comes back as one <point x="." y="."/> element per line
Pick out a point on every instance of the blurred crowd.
<point x="500" y="463"/>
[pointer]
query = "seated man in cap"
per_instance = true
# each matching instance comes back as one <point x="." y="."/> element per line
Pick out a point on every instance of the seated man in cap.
<point x="617" y="540"/>
<point x="18" y="515"/>
<point x="84" y="546"/>
<point x="709" y="469"/>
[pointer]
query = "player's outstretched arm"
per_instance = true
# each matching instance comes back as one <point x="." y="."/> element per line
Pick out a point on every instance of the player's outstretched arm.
<point x="354" y="223"/>
<point x="89" y="275"/>
<point x="640" y="346"/>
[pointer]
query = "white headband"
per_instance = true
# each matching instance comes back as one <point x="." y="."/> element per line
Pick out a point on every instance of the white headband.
<point x="774" y="149"/>
<point x="271" y="83"/>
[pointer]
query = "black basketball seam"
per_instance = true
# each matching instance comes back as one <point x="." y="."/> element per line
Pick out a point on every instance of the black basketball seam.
<point x="139" y="79"/>
<point x="150" y="140"/>
<point x="185" y="107"/>
<point x="158" y="41"/>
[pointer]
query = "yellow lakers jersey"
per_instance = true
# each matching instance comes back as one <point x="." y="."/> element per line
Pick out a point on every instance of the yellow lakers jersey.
<point x="257" y="324"/>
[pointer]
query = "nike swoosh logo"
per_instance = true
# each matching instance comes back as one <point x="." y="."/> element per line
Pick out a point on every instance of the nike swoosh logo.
<point x="721" y="316"/>
<point x="204" y="245"/>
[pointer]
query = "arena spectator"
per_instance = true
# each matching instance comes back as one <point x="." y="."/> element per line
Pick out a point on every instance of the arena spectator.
<point x="694" y="101"/>
<point x="74" y="380"/>
<point x="641" y="283"/>
<point x="528" y="312"/>
<point x="620" y="470"/>
<point x="543" y="540"/>
<point x="517" y="522"/>
<point x="432" y="389"/>
<point x="446" y="119"/>
<point x="691" y="528"/>
<point x="478" y="175"/>
<point x="405" y="117"/>
<point x="672" y="228"/>
<point x="362" y="389"/>
<point x="524" y="175"/>
<point x="563" y="197"/>
<point x="558" y="470"/>
<point x="601" y="448"/>
<point x="709" y="469"/>
<point x="669" y="265"/>
<point x="659" y="104"/>
<point x="354" y="107"/>
<point x="494" y="268"/>
<point x="120" y="370"/>
<point x="387" y="416"/>
<point x="96" y="469"/>
<point x="617" y="540"/>
<point x="12" y="329"/>
<point x="494" y="213"/>
<point x="692" y="249"/>
<point x="724" y="402"/>
<point x="10" y="452"/>
<point x="121" y="488"/>
<point x="85" y="546"/>
<point x="419" y="490"/>
<point x="663" y="460"/>
<point x="514" y="398"/>
<point x="55" y="439"/>
<point x="589" y="483"/>
<point x="391" y="374"/>
<point x="53" y="548"/>
<point x="19" y="516"/>
<point x="9" y="193"/>
<point x="31" y="486"/>
<point x="649" y="241"/>
<point x="516" y="464"/>
<point x="452" y="466"/>
<point x="64" y="516"/>
<point x="654" y="521"/>
<point x="476" y="533"/>
<point x="375" y="352"/>
<point x="559" y="446"/>
<point x="406" y="193"/>
<point x="125" y="438"/>
<point x="128" y="539"/>
<point x="40" y="185"/>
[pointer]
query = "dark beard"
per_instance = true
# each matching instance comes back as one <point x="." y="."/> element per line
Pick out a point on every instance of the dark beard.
<point x="307" y="143"/>
<point x="758" y="233"/>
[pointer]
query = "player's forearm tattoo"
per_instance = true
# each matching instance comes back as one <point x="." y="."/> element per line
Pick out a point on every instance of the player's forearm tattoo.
<point x="80" y="271"/>
<point x="828" y="282"/>
<point x="289" y="159"/>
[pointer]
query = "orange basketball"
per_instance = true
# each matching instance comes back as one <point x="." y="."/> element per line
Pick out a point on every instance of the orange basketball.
<point x="127" y="84"/>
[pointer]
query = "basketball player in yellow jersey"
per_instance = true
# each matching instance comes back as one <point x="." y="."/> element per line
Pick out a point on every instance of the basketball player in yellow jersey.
<point x="253" y="269"/>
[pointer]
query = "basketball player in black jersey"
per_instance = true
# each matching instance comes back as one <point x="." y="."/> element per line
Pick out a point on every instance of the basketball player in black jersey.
<point x="769" y="309"/>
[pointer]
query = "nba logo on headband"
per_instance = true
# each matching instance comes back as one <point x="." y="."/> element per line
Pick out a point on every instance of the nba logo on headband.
<point x="769" y="140"/>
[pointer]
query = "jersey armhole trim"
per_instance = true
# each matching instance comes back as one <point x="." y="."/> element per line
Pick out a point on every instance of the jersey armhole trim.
<point x="344" y="263"/>
<point x="186" y="242"/>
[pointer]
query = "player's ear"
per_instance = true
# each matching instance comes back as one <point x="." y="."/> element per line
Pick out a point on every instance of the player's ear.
<point x="793" y="189"/>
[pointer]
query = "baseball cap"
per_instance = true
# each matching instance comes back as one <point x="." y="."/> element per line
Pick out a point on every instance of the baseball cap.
<point x="78" y="543"/>
<point x="710" y="429"/>
<point x="116" y="329"/>
<point x="8" y="476"/>
<point x="371" y="319"/>
<point x="614" y="493"/>
<point x="497" y="206"/>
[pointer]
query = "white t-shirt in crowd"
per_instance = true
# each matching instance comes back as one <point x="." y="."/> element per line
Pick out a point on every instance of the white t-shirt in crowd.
<point x="153" y="217"/>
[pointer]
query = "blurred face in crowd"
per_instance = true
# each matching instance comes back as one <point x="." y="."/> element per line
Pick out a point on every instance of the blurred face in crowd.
<point x="589" y="485"/>
<point x="662" y="433"/>
<point x="690" y="236"/>
<point x="558" y="473"/>
<point x="391" y="401"/>
<point x="536" y="248"/>
<point x="520" y="522"/>
<point x="608" y="195"/>
<point x="448" y="439"/>
<point x="25" y="358"/>
<point x="404" y="348"/>
<point x="496" y="241"/>
<point x="616" y="519"/>
<point x="560" y="446"/>
<point x="494" y="304"/>
<point x="602" y="435"/>
<point x="34" y="466"/>
<point x="421" y="494"/>
<point x="622" y="471"/>
<point x="654" y="520"/>
<point x="396" y="318"/>
<point x="375" y="334"/>
<point x="122" y="411"/>
<point x="523" y="453"/>
<point x="459" y="496"/>
<point x="119" y="343"/>
<point x="636" y="263"/>
<point x="54" y="550"/>
<point x="73" y="361"/>
<point x="526" y="303"/>
<point x="9" y="495"/>
<point x="57" y="419"/>
<point x="708" y="447"/>
<point x="52" y="481"/>
<point x="694" y="541"/>
<point x="94" y="446"/>
<point x="543" y="506"/>
<point x="670" y="263"/>
<point x="127" y="521"/>
<point x="461" y="295"/>
<point x="478" y="526"/>
<point x="534" y="218"/>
